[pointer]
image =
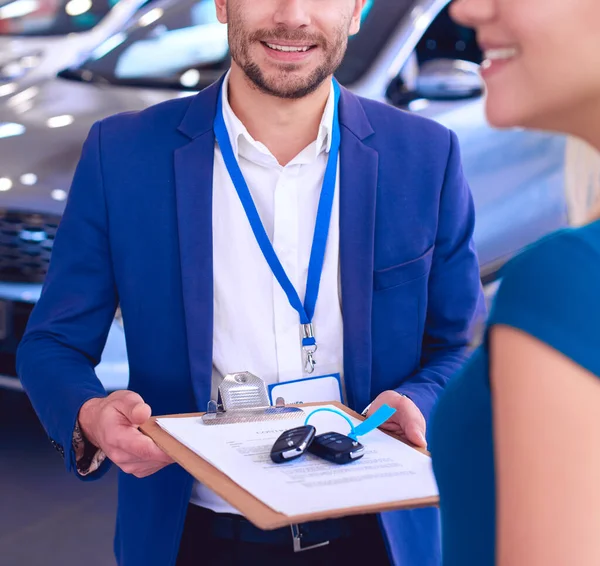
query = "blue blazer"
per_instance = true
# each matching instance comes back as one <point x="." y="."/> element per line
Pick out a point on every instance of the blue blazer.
<point x="137" y="231"/>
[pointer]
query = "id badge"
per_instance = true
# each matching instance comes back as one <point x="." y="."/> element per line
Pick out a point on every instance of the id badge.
<point x="309" y="390"/>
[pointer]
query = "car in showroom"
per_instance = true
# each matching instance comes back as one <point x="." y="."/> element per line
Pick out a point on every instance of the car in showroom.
<point x="38" y="39"/>
<point x="408" y="53"/>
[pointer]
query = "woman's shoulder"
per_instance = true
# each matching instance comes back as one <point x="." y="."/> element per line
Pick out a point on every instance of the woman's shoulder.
<point x="564" y="257"/>
<point x="551" y="290"/>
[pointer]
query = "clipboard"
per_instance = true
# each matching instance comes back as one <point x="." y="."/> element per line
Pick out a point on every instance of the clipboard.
<point x="257" y="512"/>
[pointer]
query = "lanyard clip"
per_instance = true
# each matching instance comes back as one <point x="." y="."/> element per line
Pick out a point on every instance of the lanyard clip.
<point x="309" y="345"/>
<point x="309" y="364"/>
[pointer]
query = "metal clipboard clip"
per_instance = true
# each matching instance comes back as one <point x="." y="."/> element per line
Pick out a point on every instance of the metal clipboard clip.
<point x="244" y="398"/>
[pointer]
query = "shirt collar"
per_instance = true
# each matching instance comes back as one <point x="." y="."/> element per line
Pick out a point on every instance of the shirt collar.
<point x="237" y="131"/>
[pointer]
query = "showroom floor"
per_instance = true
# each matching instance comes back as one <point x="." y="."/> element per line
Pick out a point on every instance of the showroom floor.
<point x="47" y="517"/>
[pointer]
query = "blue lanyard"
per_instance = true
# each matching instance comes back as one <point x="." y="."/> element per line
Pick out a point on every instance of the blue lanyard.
<point x="317" y="255"/>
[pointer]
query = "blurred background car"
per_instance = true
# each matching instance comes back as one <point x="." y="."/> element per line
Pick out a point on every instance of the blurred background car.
<point x="38" y="38"/>
<point x="408" y="53"/>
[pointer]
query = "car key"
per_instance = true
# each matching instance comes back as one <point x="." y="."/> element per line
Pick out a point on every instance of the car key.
<point x="337" y="448"/>
<point x="292" y="444"/>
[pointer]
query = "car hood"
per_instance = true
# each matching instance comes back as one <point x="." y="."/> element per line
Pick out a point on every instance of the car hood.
<point x="12" y="48"/>
<point x="42" y="130"/>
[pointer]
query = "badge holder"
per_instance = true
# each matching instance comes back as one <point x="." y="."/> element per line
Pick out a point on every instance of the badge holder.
<point x="244" y="398"/>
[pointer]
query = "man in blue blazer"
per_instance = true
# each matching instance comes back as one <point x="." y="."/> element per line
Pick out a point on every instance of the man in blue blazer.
<point x="179" y="215"/>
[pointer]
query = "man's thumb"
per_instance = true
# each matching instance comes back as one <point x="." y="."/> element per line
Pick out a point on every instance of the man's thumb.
<point x="415" y="435"/>
<point x="134" y="409"/>
<point x="140" y="413"/>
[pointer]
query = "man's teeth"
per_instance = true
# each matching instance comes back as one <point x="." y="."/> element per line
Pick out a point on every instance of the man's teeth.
<point x="288" y="48"/>
<point x="501" y="54"/>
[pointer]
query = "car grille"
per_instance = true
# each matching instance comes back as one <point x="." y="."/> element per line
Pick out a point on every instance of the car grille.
<point x="17" y="314"/>
<point x="26" y="241"/>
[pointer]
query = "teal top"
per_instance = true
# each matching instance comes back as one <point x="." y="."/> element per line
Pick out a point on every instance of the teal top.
<point x="552" y="292"/>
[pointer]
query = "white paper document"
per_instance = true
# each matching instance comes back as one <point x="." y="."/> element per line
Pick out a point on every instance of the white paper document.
<point x="389" y="471"/>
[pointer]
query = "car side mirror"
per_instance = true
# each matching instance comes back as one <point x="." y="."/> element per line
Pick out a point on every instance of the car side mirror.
<point x="448" y="79"/>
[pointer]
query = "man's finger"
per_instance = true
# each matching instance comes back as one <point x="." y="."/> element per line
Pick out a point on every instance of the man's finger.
<point x="142" y="471"/>
<point x="139" y="448"/>
<point x="144" y="449"/>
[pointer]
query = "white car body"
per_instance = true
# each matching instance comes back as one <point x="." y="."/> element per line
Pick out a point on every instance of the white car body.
<point x="50" y="54"/>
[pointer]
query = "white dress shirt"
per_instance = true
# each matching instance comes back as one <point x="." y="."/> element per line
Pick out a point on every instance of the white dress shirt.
<point x="255" y="327"/>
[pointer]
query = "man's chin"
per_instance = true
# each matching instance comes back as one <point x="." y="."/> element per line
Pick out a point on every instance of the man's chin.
<point x="286" y="83"/>
<point x="287" y="89"/>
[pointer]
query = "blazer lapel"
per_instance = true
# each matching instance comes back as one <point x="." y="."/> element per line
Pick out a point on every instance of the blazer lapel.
<point x="193" y="181"/>
<point x="358" y="185"/>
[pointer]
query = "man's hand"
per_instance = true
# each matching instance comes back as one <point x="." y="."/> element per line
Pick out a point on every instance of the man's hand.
<point x="407" y="422"/>
<point x="112" y="423"/>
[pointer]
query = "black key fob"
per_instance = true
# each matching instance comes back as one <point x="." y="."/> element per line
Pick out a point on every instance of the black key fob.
<point x="292" y="444"/>
<point x="337" y="448"/>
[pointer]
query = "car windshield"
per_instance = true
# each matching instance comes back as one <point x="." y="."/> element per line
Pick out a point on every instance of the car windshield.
<point x="51" y="17"/>
<point x="180" y="44"/>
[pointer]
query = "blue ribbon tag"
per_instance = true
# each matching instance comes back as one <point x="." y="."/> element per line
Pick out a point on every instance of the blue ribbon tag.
<point x="380" y="416"/>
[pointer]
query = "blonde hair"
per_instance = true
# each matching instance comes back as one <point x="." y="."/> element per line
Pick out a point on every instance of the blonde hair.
<point x="582" y="182"/>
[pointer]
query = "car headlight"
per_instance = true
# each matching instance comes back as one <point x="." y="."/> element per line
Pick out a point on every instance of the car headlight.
<point x="18" y="68"/>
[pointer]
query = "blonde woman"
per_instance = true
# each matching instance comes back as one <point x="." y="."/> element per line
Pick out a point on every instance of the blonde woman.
<point x="582" y="181"/>
<point x="516" y="437"/>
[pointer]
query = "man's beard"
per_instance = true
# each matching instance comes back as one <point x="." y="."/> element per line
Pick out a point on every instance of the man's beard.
<point x="284" y="83"/>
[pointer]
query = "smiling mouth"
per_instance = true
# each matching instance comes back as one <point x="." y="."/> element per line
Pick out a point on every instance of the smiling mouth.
<point x="496" y="58"/>
<point x="289" y="48"/>
<point x="501" y="54"/>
